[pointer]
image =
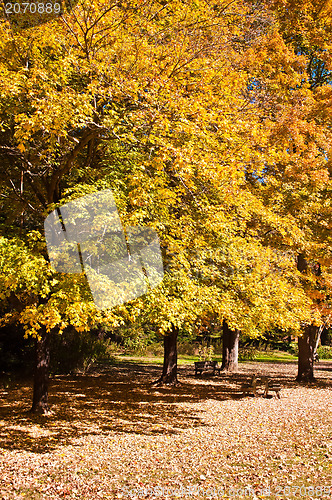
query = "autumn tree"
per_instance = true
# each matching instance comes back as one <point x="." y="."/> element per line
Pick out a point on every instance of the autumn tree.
<point x="292" y="91"/>
<point x="159" y="102"/>
<point x="43" y="301"/>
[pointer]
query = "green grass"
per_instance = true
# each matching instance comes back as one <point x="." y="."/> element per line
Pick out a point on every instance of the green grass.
<point x="157" y="360"/>
<point x="262" y="356"/>
<point x="275" y="357"/>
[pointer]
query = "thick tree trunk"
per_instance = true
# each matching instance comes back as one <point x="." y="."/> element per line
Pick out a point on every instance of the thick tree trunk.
<point x="230" y="348"/>
<point x="306" y="354"/>
<point x="40" y="385"/>
<point x="307" y="341"/>
<point x="170" y="366"/>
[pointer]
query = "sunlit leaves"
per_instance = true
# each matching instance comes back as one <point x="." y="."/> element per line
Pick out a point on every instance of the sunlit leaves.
<point x="206" y="127"/>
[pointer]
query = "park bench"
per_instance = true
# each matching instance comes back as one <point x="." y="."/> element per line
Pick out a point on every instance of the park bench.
<point x="273" y="386"/>
<point x="201" y="366"/>
<point x="269" y="386"/>
<point x="250" y="387"/>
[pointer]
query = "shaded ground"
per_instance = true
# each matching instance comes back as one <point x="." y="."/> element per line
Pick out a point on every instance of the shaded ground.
<point x="111" y="435"/>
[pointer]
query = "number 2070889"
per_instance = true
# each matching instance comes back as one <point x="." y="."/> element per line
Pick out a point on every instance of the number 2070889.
<point x="32" y="8"/>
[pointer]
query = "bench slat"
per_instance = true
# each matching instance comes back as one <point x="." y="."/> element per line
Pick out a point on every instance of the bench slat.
<point x="200" y="366"/>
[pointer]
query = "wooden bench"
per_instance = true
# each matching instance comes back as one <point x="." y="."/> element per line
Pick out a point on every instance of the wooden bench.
<point x="273" y="386"/>
<point x="250" y="387"/>
<point x="201" y="366"/>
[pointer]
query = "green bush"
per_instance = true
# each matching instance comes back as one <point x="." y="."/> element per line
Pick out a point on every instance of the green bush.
<point x="136" y="344"/>
<point x="155" y="349"/>
<point x="294" y="348"/>
<point x="205" y="352"/>
<point x="324" y="352"/>
<point x="74" y="351"/>
<point x="187" y="348"/>
<point x="247" y="354"/>
<point x="113" y="348"/>
<point x="217" y="348"/>
<point x="141" y="341"/>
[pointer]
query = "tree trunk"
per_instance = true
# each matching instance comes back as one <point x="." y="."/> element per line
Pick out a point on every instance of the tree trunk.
<point x="40" y="385"/>
<point x="170" y="366"/>
<point x="306" y="354"/>
<point x="307" y="342"/>
<point x="230" y="348"/>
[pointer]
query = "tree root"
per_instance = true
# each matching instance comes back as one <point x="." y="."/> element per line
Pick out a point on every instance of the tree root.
<point x="163" y="381"/>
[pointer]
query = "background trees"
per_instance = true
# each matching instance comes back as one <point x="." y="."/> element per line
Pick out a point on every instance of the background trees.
<point x="297" y="182"/>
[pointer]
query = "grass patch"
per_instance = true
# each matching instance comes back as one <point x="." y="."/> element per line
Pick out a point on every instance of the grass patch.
<point x="156" y="360"/>
<point x="275" y="357"/>
<point x="184" y="359"/>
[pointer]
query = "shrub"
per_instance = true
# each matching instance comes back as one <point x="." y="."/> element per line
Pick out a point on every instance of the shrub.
<point x="247" y="354"/>
<point x="205" y="352"/>
<point x="74" y="351"/>
<point x="135" y="345"/>
<point x="324" y="352"/>
<point x="155" y="349"/>
<point x="188" y="348"/>
<point x="294" y="348"/>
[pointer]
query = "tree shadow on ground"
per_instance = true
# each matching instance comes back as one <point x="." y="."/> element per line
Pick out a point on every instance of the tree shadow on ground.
<point x="284" y="373"/>
<point x="117" y="398"/>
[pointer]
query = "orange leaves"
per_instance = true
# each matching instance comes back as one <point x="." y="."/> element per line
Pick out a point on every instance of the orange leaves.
<point x="320" y="178"/>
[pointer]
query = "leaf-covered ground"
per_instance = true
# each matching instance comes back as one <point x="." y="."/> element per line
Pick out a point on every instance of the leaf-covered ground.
<point x="111" y="435"/>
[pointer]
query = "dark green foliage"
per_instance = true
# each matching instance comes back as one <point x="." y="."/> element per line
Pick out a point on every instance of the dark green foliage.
<point x="324" y="352"/>
<point x="275" y="340"/>
<point x="248" y="354"/>
<point x="73" y="351"/>
<point x="16" y="352"/>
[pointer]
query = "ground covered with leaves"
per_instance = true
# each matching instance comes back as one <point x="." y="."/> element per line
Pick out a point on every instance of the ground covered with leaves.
<point x="113" y="435"/>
